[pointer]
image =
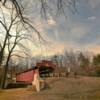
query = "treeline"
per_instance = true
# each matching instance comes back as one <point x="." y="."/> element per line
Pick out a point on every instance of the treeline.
<point x="81" y="63"/>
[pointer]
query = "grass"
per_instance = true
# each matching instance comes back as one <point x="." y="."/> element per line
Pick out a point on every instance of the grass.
<point x="82" y="88"/>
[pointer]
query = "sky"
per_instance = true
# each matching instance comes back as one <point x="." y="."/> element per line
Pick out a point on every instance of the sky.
<point x="79" y="31"/>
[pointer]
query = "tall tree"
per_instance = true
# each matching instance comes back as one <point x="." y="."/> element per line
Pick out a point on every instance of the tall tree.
<point x="96" y="60"/>
<point x="70" y="60"/>
<point x="84" y="61"/>
<point x="13" y="32"/>
<point x="96" y="63"/>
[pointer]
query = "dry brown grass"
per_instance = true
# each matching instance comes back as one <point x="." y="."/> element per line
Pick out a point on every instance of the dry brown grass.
<point x="82" y="88"/>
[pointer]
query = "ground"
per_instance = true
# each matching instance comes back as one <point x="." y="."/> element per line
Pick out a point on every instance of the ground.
<point x="80" y="88"/>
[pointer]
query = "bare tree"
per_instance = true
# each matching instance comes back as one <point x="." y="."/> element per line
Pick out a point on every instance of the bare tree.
<point x="15" y="32"/>
<point x="46" y="6"/>
<point x="71" y="61"/>
<point x="79" y="62"/>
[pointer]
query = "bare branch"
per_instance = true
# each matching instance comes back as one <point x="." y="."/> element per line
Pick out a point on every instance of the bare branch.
<point x="17" y="55"/>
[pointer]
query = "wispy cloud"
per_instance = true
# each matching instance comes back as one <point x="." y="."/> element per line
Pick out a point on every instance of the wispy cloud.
<point x="79" y="31"/>
<point x="51" y="21"/>
<point x="76" y="32"/>
<point x="92" y="18"/>
<point x="94" y="49"/>
<point x="94" y="3"/>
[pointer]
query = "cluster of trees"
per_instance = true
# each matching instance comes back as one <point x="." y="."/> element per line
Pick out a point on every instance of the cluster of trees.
<point x="82" y="63"/>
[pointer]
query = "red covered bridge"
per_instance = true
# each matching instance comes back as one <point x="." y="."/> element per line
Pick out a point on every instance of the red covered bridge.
<point x="44" y="68"/>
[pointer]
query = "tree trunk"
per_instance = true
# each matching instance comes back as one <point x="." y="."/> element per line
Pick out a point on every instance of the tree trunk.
<point x="5" y="70"/>
<point x="3" y="81"/>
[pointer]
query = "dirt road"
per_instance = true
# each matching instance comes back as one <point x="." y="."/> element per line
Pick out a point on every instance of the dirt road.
<point x="82" y="88"/>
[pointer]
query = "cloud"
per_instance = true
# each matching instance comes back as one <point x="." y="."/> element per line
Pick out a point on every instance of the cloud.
<point x="95" y="49"/>
<point x="68" y="34"/>
<point x="56" y="48"/>
<point x="48" y="50"/>
<point x="94" y="3"/>
<point x="51" y="21"/>
<point x="78" y="31"/>
<point x="92" y="18"/>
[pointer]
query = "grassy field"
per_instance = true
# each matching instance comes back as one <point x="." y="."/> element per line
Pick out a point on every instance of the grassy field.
<point x="81" y="88"/>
